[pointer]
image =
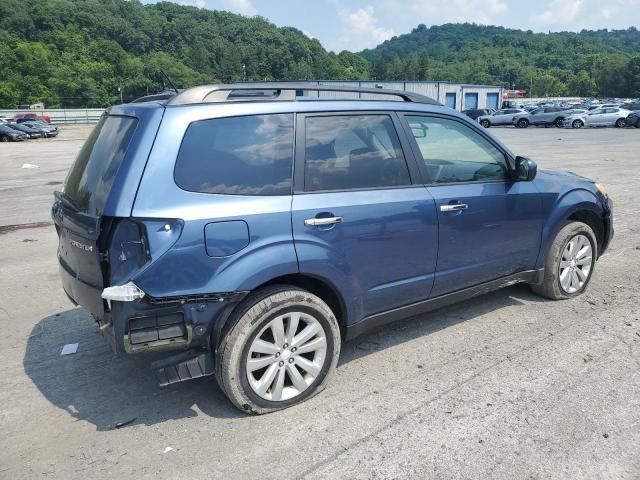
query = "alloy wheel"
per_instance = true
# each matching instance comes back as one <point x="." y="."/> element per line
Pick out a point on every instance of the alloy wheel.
<point x="286" y="356"/>
<point x="577" y="124"/>
<point x="575" y="264"/>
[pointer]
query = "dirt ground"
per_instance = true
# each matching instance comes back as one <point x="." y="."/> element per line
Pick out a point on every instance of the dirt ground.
<point x="505" y="386"/>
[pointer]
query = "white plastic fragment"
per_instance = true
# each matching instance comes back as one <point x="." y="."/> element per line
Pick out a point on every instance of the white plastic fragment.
<point x="168" y="449"/>
<point x="69" y="349"/>
<point x="29" y="165"/>
<point x="123" y="293"/>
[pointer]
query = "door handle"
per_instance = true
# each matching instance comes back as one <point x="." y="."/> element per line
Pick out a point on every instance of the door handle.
<point x="318" y="222"/>
<point x="453" y="208"/>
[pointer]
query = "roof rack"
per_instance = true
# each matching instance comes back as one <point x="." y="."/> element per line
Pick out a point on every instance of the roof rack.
<point x="278" y="91"/>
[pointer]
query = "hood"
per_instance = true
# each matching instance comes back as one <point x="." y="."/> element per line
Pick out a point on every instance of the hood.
<point x="562" y="175"/>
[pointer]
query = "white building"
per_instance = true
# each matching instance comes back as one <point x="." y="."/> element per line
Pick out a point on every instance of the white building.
<point x="459" y="96"/>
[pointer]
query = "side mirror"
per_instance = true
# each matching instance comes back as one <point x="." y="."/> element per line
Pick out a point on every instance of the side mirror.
<point x="526" y="169"/>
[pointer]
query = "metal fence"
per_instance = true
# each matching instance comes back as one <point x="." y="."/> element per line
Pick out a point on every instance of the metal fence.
<point x="62" y="116"/>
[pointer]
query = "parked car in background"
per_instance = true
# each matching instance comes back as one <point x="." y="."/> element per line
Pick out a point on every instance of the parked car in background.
<point x="633" y="119"/>
<point x="25" y="117"/>
<point x="49" y="129"/>
<point x="503" y="116"/>
<point x="30" y="132"/>
<point x="602" y="117"/>
<point x="542" y="116"/>
<point x="192" y="223"/>
<point x="631" y="106"/>
<point x="475" y="113"/>
<point x="8" y="134"/>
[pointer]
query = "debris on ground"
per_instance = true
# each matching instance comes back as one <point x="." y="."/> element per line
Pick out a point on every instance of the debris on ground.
<point x="124" y="424"/>
<point x="69" y="349"/>
<point x="29" y="165"/>
<point x="168" y="449"/>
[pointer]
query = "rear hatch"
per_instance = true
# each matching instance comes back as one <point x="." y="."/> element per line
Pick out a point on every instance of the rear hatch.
<point x="78" y="211"/>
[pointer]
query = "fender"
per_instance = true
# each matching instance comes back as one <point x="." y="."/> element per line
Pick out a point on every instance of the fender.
<point x="186" y="269"/>
<point x="566" y="205"/>
<point x="324" y="262"/>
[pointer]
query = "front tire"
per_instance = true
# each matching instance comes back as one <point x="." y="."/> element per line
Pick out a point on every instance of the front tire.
<point x="559" y="122"/>
<point x="522" y="123"/>
<point x="485" y="123"/>
<point x="577" y="124"/>
<point x="620" y="123"/>
<point x="283" y="345"/>
<point x="570" y="262"/>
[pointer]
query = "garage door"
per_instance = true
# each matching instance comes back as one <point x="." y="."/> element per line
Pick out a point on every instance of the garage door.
<point x="470" y="101"/>
<point x="492" y="100"/>
<point x="450" y="100"/>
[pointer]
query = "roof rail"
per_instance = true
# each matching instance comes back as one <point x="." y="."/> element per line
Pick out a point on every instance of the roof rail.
<point x="281" y="91"/>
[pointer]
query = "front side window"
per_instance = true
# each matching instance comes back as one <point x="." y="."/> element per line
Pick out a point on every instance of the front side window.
<point x="453" y="152"/>
<point x="250" y="155"/>
<point x="345" y="152"/>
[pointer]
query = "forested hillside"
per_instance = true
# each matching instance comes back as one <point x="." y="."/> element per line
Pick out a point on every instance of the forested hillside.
<point x="80" y="52"/>
<point x="605" y="63"/>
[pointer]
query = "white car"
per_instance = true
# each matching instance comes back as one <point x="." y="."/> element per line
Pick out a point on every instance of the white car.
<point x="499" y="117"/>
<point x="601" y="117"/>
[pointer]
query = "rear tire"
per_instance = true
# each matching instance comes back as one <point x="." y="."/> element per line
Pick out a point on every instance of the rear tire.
<point x="260" y="363"/>
<point x="570" y="263"/>
<point x="522" y="123"/>
<point x="559" y="122"/>
<point x="485" y="123"/>
<point x="4" y="139"/>
<point x="620" y="123"/>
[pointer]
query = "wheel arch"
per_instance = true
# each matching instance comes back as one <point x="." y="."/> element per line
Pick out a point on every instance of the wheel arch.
<point x="577" y="205"/>
<point x="320" y="287"/>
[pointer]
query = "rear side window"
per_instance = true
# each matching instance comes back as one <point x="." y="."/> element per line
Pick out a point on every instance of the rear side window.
<point x="344" y="152"/>
<point x="89" y="181"/>
<point x="251" y="155"/>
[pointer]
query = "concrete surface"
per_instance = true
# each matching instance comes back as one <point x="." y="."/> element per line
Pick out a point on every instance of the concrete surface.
<point x="505" y="386"/>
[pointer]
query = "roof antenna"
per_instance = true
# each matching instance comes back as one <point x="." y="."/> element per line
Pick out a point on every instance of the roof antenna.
<point x="169" y="81"/>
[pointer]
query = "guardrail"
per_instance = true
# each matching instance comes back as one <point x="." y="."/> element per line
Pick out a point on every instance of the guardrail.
<point x="62" y="116"/>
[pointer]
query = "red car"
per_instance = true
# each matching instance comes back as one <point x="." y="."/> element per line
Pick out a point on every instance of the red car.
<point x="25" y="117"/>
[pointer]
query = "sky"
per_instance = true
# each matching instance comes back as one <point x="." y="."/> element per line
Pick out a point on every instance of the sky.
<point x="358" y="24"/>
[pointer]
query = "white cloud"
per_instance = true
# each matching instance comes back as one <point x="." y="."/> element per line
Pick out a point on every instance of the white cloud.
<point x="575" y="15"/>
<point x="451" y="11"/>
<point x="193" y="3"/>
<point x="243" y="7"/>
<point x="360" y="29"/>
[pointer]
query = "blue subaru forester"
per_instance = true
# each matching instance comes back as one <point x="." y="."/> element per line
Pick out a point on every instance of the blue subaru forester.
<point x="252" y="228"/>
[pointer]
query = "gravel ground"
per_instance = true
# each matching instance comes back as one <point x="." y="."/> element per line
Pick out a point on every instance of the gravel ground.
<point x="505" y="386"/>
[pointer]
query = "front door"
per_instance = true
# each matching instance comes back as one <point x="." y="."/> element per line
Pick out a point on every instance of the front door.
<point x="489" y="225"/>
<point x="360" y="217"/>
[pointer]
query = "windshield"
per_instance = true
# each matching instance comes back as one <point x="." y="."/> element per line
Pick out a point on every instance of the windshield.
<point x="89" y="181"/>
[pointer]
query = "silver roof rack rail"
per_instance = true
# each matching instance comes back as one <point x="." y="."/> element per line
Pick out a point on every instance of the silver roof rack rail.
<point x="279" y="91"/>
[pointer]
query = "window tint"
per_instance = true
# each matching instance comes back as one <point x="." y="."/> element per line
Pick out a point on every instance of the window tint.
<point x="346" y="152"/>
<point x="453" y="152"/>
<point x="250" y="155"/>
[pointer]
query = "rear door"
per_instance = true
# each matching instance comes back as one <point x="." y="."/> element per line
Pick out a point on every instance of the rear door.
<point x="489" y="225"/>
<point x="360" y="216"/>
<point x="77" y="210"/>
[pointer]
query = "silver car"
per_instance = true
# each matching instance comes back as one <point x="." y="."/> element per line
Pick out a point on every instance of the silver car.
<point x="503" y="116"/>
<point x="601" y="117"/>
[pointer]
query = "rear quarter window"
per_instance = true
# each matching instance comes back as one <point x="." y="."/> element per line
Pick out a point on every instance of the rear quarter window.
<point x="249" y="155"/>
